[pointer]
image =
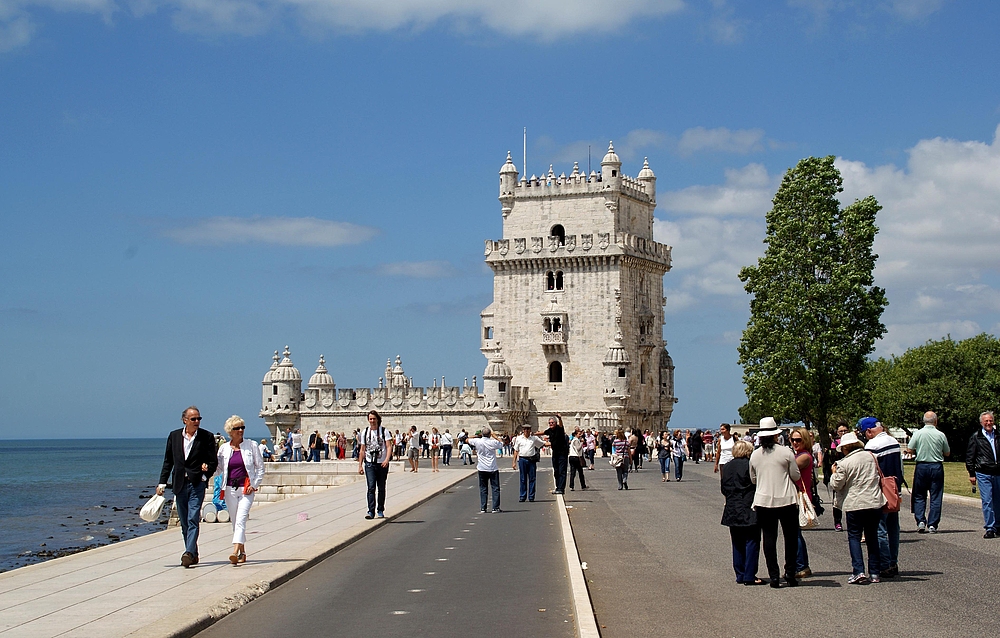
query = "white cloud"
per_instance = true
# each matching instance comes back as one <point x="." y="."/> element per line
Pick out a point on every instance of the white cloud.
<point x="540" y="19"/>
<point x="915" y="9"/>
<point x="938" y="242"/>
<point x="747" y="191"/>
<point x="435" y="269"/>
<point x="282" y="231"/>
<point x="741" y="141"/>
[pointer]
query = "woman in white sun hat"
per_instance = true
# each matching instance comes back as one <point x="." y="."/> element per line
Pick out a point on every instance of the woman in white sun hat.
<point x="774" y="471"/>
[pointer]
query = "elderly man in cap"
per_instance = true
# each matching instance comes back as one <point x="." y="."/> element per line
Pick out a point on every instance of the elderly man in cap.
<point x="526" y="455"/>
<point x="887" y="452"/>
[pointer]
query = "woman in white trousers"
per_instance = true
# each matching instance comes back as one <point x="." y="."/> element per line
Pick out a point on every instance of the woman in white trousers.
<point x="242" y="468"/>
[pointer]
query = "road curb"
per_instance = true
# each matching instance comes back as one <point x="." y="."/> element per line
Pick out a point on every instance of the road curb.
<point x="583" y="609"/>
<point x="194" y="619"/>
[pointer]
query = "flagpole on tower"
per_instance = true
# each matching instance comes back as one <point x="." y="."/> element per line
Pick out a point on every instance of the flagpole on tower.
<point x="524" y="157"/>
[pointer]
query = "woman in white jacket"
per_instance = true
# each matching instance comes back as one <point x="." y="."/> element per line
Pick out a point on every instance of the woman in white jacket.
<point x="242" y="468"/>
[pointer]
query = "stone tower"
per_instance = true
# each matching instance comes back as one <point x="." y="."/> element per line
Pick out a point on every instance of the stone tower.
<point x="578" y="296"/>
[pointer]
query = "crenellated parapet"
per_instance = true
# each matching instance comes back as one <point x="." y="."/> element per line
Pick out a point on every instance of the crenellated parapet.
<point x="589" y="244"/>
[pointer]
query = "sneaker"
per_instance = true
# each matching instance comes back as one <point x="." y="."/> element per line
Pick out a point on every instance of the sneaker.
<point x="497" y="510"/>
<point x="369" y="516"/>
<point x="857" y="579"/>
<point x="482" y="511"/>
<point x="990" y="534"/>
<point x="932" y="529"/>
<point x="838" y="527"/>
<point x="874" y="579"/>
<point x="381" y="514"/>
<point x="804" y="573"/>
<point x="921" y="528"/>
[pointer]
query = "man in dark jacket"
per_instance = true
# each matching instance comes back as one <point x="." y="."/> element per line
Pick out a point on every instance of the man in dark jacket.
<point x="984" y="470"/>
<point x="559" y="443"/>
<point x="191" y="458"/>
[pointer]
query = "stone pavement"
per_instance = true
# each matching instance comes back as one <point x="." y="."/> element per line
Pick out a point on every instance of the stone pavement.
<point x="137" y="587"/>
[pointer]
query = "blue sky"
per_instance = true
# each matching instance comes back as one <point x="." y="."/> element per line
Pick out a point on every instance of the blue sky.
<point x="188" y="185"/>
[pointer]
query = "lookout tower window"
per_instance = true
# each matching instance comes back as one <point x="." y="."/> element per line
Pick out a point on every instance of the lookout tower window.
<point x="555" y="372"/>
<point x="559" y="233"/>
<point x="488" y="332"/>
<point x="554" y="280"/>
<point x="274" y="389"/>
<point x="621" y="373"/>
<point x="502" y="386"/>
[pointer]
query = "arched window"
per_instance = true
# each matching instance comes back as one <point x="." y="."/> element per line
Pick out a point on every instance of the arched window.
<point x="502" y="387"/>
<point x="488" y="332"/>
<point x="550" y="281"/>
<point x="547" y="324"/>
<point x="559" y="280"/>
<point x="560" y="233"/>
<point x="555" y="372"/>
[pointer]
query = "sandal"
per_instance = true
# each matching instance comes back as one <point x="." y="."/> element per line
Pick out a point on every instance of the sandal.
<point x="242" y="557"/>
<point x="233" y="558"/>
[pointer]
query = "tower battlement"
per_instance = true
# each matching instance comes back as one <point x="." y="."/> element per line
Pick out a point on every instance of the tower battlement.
<point x="568" y="246"/>
<point x="578" y="183"/>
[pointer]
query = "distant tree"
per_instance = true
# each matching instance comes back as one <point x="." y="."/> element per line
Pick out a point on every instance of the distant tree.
<point x="956" y="379"/>
<point x="814" y="313"/>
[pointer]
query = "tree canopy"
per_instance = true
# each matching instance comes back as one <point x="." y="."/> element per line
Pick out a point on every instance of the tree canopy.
<point x="956" y="379"/>
<point x="815" y="312"/>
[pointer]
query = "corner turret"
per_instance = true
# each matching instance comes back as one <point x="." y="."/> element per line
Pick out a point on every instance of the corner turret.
<point x="611" y="168"/>
<point x="616" y="376"/>
<point x="508" y="180"/>
<point x="648" y="180"/>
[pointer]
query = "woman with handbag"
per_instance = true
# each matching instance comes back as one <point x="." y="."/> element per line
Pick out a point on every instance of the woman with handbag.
<point x="802" y="442"/>
<point x="774" y="471"/>
<point x="857" y="488"/>
<point x="619" y="458"/>
<point x="739" y="516"/>
<point x="663" y="447"/>
<point x="242" y="469"/>
<point x="679" y="452"/>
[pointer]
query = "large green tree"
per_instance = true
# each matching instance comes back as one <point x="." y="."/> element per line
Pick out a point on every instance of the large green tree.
<point x="956" y="379"/>
<point x="815" y="312"/>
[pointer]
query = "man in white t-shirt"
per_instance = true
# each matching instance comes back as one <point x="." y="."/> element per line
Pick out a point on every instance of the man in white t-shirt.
<point x="447" y="442"/>
<point x="526" y="456"/>
<point x="413" y="449"/>
<point x="489" y="474"/>
<point x="373" y="462"/>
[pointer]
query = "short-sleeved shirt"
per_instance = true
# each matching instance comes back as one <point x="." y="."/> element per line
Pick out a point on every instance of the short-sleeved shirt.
<point x="930" y="444"/>
<point x="380" y="438"/>
<point x="486" y="452"/>
<point x="526" y="445"/>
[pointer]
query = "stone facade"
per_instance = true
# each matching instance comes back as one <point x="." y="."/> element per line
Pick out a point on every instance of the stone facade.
<point x="577" y="318"/>
<point x="578" y="296"/>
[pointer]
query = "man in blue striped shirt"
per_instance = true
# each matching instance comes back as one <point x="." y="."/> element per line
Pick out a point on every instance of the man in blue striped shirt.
<point x="887" y="451"/>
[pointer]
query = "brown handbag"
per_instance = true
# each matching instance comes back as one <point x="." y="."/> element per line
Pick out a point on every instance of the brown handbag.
<point x="889" y="489"/>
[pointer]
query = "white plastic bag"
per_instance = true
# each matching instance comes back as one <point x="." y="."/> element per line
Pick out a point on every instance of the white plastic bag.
<point x="807" y="513"/>
<point x="152" y="509"/>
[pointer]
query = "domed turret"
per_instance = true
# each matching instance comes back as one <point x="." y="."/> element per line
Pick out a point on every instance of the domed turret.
<point x="286" y="371"/>
<point x="648" y="179"/>
<point x="508" y="180"/>
<point x="496" y="383"/>
<point x="611" y="167"/>
<point x="616" y="375"/>
<point x="274" y="366"/>
<point x="282" y="392"/>
<point x="321" y="378"/>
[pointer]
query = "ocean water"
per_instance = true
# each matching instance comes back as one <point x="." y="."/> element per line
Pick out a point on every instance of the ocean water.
<point x="58" y="497"/>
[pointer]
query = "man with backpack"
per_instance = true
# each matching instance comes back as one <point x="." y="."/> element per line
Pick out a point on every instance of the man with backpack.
<point x="373" y="462"/>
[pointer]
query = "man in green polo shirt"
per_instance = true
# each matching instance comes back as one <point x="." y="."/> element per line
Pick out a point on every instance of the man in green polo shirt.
<point x="929" y="446"/>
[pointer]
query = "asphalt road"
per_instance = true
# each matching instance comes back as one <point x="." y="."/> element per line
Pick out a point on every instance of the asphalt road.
<point x="659" y="563"/>
<point x="443" y="569"/>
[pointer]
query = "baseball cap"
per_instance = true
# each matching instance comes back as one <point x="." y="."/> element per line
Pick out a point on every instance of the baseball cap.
<point x="868" y="423"/>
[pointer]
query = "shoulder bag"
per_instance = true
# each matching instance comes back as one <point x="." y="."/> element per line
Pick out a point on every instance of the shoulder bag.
<point x="889" y="489"/>
<point x="807" y="515"/>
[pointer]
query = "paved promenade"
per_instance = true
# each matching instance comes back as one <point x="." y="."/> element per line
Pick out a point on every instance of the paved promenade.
<point x="660" y="563"/>
<point x="138" y="587"/>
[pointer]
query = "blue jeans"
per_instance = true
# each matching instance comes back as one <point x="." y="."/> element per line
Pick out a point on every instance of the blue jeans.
<point x="487" y="481"/>
<point x="888" y="539"/>
<point x="802" y="558"/>
<point x="297" y="454"/>
<point x="989" y="488"/>
<point x="446" y="454"/>
<point x="559" y="463"/>
<point x="189" y="499"/>
<point x="622" y="473"/>
<point x="665" y="468"/>
<point x="527" y="471"/>
<point x="376" y="475"/>
<point x="864" y="522"/>
<point x="678" y="467"/>
<point x="746" y="552"/>
<point x="314" y="455"/>
<point x="928" y="476"/>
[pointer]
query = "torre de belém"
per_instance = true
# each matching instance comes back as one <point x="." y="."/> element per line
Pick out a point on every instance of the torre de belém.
<point x="575" y="327"/>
